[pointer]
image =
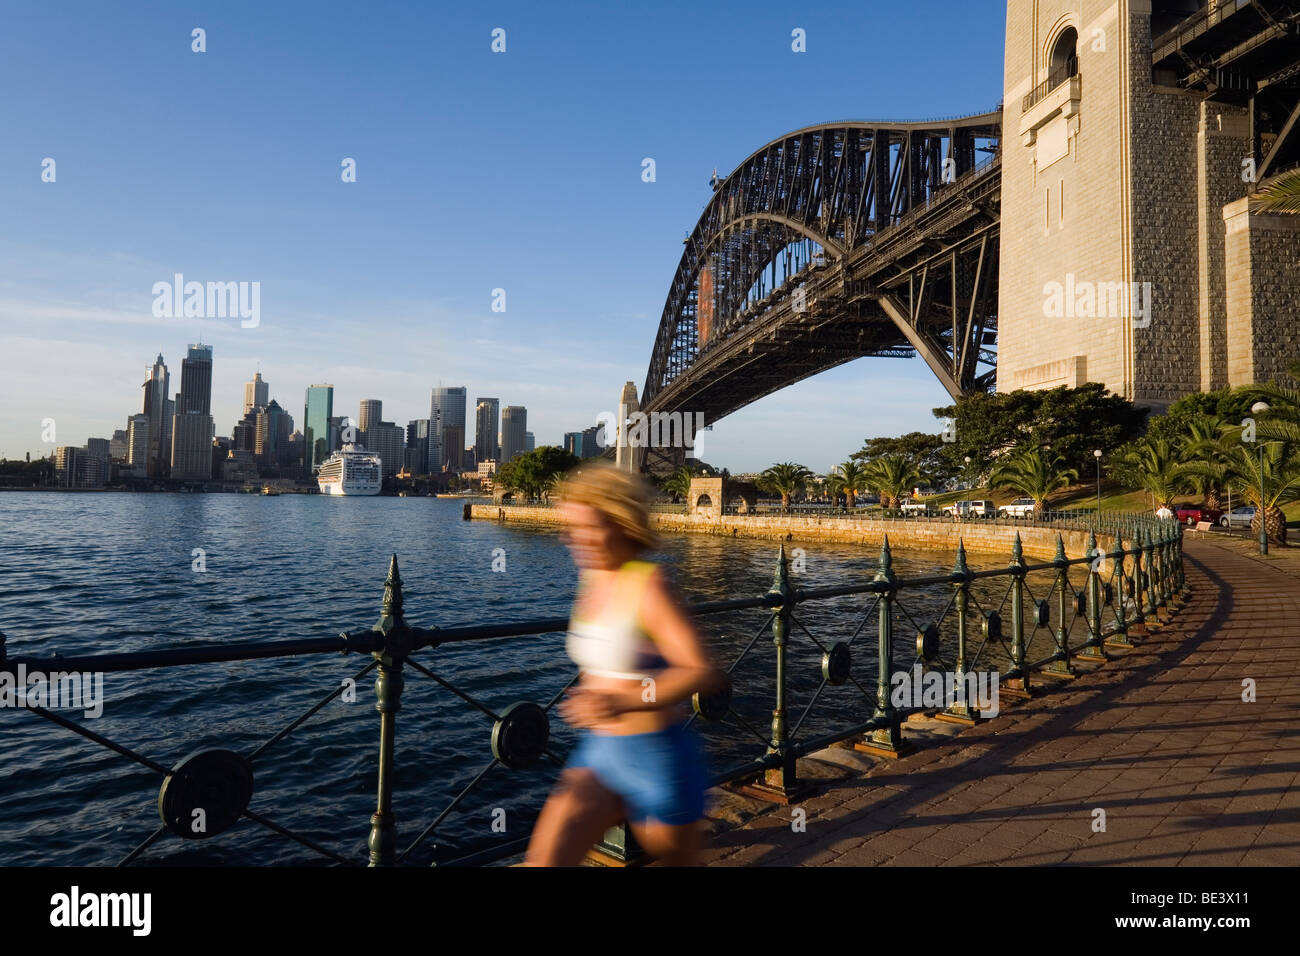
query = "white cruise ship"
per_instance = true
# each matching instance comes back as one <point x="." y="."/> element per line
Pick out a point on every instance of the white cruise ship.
<point x="352" y="471"/>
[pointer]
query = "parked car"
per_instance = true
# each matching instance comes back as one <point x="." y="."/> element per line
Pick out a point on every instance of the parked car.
<point x="971" y="509"/>
<point x="1020" y="508"/>
<point x="916" y="507"/>
<point x="1238" y="517"/>
<point x="1191" y="514"/>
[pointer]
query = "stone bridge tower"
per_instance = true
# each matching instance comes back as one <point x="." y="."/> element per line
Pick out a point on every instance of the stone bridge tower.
<point x="1128" y="253"/>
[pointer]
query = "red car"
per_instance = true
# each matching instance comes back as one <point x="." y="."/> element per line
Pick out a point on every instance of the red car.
<point x="1191" y="514"/>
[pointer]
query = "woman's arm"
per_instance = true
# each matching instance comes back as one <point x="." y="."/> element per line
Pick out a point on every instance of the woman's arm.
<point x="690" y="668"/>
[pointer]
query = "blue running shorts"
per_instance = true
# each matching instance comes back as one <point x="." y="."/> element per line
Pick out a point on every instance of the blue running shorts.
<point x="661" y="776"/>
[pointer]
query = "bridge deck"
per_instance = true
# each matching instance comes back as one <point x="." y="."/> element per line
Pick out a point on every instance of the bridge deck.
<point x="1159" y="738"/>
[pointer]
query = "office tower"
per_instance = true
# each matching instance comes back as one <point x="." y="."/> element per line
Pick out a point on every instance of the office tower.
<point x="66" y="458"/>
<point x="256" y="393"/>
<point x="591" y="448"/>
<point x="318" y="439"/>
<point x="137" y="441"/>
<point x="156" y="387"/>
<point x="453" y="446"/>
<point x="118" y="448"/>
<point x="418" y="437"/>
<point x="98" y="448"/>
<point x="372" y="410"/>
<point x="196" y="381"/>
<point x="514" y="422"/>
<point x="192" y="428"/>
<point x="447" y="408"/>
<point x="573" y="444"/>
<point x="274" y="426"/>
<point x="221" y="449"/>
<point x="388" y="441"/>
<point x="243" y="437"/>
<point x="530" y="442"/>
<point x="487" y="412"/>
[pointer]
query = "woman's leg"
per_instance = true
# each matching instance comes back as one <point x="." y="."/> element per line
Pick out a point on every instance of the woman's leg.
<point x="672" y="845"/>
<point x="575" y="816"/>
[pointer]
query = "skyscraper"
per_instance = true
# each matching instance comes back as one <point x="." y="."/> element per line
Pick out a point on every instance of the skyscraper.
<point x="256" y="392"/>
<point x="137" y="441"/>
<point x="274" y="426"/>
<point x="192" y="429"/>
<point x="514" y="427"/>
<point x="372" y="410"/>
<point x="447" y="408"/>
<point x="388" y="441"/>
<point x="317" y="437"/>
<point x="530" y="441"/>
<point x="418" y="436"/>
<point x="156" y="388"/>
<point x="487" y="411"/>
<point x="196" y="381"/>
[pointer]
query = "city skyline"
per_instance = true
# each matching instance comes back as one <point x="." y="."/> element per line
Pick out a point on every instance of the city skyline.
<point x="392" y="278"/>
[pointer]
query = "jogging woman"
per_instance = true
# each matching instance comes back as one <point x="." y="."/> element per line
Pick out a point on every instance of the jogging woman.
<point x="641" y="659"/>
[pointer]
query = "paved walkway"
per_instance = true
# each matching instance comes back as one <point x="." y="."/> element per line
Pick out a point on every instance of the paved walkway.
<point x="1160" y="739"/>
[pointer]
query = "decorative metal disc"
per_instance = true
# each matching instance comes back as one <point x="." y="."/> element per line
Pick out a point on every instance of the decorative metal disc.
<point x="1080" y="603"/>
<point x="205" y="794"/>
<point x="992" y="625"/>
<point x="1108" y="594"/>
<point x="713" y="706"/>
<point x="837" y="663"/>
<point x="520" y="736"/>
<point x="927" y="642"/>
<point x="1043" y="617"/>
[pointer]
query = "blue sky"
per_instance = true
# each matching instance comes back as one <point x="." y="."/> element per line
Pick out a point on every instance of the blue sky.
<point x="475" y="171"/>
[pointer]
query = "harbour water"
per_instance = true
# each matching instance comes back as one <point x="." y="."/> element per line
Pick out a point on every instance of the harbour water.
<point x="99" y="573"/>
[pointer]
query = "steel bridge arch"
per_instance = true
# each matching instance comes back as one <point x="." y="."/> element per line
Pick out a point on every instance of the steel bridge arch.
<point x="886" y="213"/>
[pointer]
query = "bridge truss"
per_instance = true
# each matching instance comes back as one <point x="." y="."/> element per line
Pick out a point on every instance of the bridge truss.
<point x="835" y="242"/>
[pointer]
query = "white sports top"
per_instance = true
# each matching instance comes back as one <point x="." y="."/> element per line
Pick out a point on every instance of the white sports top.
<point x="614" y="644"/>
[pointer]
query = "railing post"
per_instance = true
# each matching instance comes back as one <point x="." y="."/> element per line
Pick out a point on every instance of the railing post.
<point x="780" y="783"/>
<point x="1120" y="638"/>
<point x="1018" y="687"/>
<point x="1149" y="551"/>
<point x="1136" y="587"/>
<point x="1061" y="667"/>
<point x="886" y="741"/>
<point x="388" y="691"/>
<point x="963" y="710"/>
<point x="1095" y="649"/>
<point x="1182" y="578"/>
<point x="1166" y="572"/>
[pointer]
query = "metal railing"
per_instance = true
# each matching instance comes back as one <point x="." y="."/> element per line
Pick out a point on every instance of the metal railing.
<point x="1041" y="624"/>
<point x="1058" y="77"/>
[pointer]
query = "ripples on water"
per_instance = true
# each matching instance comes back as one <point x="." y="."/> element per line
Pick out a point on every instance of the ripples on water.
<point x="98" y="573"/>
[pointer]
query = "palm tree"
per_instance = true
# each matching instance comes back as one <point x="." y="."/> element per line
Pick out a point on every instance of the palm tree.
<point x="892" y="476"/>
<point x="1159" y="470"/>
<point x="678" y="484"/>
<point x="1281" y="195"/>
<point x="1034" y="473"/>
<point x="1281" y="482"/>
<point x="849" y="478"/>
<point x="785" y="479"/>
<point x="1202" y="444"/>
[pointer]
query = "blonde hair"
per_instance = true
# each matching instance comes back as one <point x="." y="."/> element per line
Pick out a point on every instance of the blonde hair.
<point x="621" y="497"/>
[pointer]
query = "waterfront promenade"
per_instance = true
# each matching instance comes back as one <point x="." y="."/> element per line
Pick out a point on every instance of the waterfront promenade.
<point x="1159" y="738"/>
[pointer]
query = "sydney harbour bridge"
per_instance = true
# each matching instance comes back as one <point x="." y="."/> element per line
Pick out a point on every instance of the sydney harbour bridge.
<point x="880" y="239"/>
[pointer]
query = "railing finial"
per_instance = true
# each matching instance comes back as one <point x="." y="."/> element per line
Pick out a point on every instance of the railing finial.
<point x="1017" y="552"/>
<point x="391" y="610"/>
<point x="1060" y="548"/>
<point x="961" y="567"/>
